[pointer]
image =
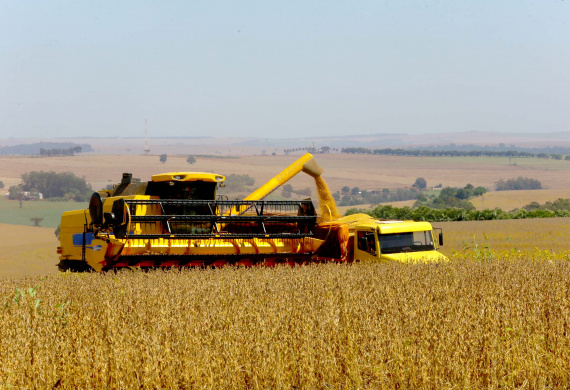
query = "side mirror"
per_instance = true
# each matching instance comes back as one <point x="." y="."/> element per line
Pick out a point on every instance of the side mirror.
<point x="440" y="238"/>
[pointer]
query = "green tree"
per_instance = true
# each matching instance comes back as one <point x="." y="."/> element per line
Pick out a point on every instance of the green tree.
<point x="57" y="185"/>
<point x="420" y="183"/>
<point x="191" y="160"/>
<point x="478" y="191"/>
<point x="287" y="190"/>
<point x="36" y="220"/>
<point x="520" y="183"/>
<point x="163" y="158"/>
<point x="16" y="193"/>
<point x="237" y="183"/>
<point x="462" y="193"/>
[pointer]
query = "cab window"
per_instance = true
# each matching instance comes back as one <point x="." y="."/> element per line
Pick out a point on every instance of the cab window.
<point x="406" y="242"/>
<point x="367" y="242"/>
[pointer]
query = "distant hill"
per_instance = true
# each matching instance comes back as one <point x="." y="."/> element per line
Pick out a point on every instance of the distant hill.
<point x="34" y="149"/>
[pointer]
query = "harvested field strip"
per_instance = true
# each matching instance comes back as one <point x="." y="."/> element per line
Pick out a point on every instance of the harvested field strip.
<point x="465" y="324"/>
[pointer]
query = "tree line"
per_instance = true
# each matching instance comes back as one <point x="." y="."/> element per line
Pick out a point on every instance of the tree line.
<point x="355" y="196"/>
<point x="64" y="186"/>
<point x="520" y="183"/>
<point x="424" y="213"/>
<point x="35" y="148"/>
<point x="60" y="151"/>
<point x="451" y="153"/>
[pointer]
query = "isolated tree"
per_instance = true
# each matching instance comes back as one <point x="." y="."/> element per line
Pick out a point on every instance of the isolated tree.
<point x="345" y="189"/>
<point x="36" y="220"/>
<point x="163" y="158"/>
<point x="287" y="190"/>
<point x="190" y="160"/>
<point x="355" y="191"/>
<point x="304" y="191"/>
<point x="420" y="183"/>
<point x="16" y="193"/>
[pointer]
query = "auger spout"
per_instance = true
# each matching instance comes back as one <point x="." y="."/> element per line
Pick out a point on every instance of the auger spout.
<point x="305" y="164"/>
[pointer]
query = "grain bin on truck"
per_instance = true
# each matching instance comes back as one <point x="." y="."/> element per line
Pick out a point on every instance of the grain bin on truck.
<point x="176" y="220"/>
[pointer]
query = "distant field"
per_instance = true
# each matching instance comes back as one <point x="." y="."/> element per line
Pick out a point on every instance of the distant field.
<point x="509" y="200"/>
<point x="363" y="171"/>
<point x="403" y="203"/>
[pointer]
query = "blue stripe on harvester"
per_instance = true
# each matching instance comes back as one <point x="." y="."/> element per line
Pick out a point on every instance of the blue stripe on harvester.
<point x="78" y="239"/>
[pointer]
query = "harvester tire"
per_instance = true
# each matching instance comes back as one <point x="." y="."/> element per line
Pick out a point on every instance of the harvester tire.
<point x="74" y="266"/>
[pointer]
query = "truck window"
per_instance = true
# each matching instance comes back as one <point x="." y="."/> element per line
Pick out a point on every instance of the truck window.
<point x="367" y="242"/>
<point x="406" y="242"/>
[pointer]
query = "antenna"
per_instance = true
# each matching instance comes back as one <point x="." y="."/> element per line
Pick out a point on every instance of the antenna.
<point x="146" y="149"/>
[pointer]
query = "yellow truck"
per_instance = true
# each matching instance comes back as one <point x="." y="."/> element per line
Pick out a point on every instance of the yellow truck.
<point x="176" y="220"/>
<point x="403" y="241"/>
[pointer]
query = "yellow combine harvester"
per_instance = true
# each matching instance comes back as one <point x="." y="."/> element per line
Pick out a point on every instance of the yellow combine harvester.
<point x="175" y="219"/>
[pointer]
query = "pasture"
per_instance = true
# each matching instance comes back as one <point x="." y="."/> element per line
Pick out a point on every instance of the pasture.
<point x="12" y="213"/>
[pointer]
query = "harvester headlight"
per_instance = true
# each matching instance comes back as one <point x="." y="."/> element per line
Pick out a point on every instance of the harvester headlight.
<point x="179" y="177"/>
<point x="219" y="178"/>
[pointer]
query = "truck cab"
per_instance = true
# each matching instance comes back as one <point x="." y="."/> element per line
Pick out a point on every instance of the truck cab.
<point x="402" y="241"/>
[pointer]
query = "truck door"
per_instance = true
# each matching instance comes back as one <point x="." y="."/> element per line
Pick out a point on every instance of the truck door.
<point x="366" y="247"/>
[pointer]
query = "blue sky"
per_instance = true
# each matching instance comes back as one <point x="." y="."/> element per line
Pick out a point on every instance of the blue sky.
<point x="283" y="69"/>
